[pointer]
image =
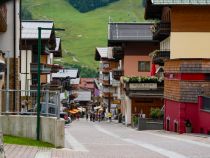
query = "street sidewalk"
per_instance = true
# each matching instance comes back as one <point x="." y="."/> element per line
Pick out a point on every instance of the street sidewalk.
<point x="21" y="151"/>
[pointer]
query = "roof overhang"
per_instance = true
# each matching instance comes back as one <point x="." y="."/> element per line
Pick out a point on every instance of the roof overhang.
<point x="153" y="8"/>
<point x="57" y="52"/>
<point x="103" y="53"/>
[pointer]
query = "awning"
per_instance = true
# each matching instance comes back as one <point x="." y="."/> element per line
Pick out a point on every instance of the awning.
<point x="73" y="111"/>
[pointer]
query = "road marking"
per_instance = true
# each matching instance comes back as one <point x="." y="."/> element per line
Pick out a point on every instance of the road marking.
<point x="164" y="152"/>
<point x="72" y="142"/>
<point x="179" y="139"/>
<point x="43" y="154"/>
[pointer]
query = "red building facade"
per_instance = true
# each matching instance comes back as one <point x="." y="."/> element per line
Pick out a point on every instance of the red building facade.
<point x="183" y="32"/>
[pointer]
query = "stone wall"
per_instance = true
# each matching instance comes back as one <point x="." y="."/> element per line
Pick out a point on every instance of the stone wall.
<point x="52" y="129"/>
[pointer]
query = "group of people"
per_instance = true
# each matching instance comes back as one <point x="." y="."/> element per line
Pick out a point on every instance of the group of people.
<point x="95" y="116"/>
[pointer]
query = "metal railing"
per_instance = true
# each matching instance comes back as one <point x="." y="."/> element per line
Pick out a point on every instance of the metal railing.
<point x="26" y="102"/>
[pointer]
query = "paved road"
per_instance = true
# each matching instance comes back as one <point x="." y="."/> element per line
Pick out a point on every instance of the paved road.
<point x="111" y="140"/>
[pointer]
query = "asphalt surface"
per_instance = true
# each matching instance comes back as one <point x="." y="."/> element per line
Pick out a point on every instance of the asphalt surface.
<point x="113" y="140"/>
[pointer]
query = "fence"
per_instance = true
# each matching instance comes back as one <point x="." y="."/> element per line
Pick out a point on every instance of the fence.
<point x="26" y="102"/>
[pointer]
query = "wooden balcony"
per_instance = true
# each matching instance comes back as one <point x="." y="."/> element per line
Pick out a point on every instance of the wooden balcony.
<point x="115" y="83"/>
<point x="118" y="53"/>
<point x="55" y="85"/>
<point x="56" y="68"/>
<point x="117" y="73"/>
<point x="45" y="68"/>
<point x="106" y="83"/>
<point x="144" y="90"/>
<point x="161" y="30"/>
<point x="3" y="18"/>
<point x="106" y="70"/>
<point x="160" y="56"/>
<point x="107" y="95"/>
<point x="43" y="86"/>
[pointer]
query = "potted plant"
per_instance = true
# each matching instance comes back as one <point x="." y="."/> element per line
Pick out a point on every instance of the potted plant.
<point x="188" y="126"/>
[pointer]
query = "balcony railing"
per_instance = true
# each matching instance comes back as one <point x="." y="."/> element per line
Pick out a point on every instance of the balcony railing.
<point x="3" y="18"/>
<point x="160" y="56"/>
<point x="115" y="83"/>
<point x="45" y="68"/>
<point x="117" y="73"/>
<point x="144" y="86"/>
<point x="43" y="86"/>
<point x="161" y="30"/>
<point x="118" y="53"/>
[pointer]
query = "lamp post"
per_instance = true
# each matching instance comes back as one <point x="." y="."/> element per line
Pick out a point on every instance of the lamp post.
<point x="38" y="77"/>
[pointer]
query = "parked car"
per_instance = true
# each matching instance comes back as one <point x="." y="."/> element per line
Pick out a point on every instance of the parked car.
<point x="65" y="116"/>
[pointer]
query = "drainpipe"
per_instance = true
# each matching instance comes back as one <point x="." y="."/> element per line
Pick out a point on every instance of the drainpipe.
<point x="14" y="61"/>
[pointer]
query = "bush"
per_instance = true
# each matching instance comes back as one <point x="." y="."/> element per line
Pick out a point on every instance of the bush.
<point x="135" y="120"/>
<point x="156" y="113"/>
<point x="139" y="79"/>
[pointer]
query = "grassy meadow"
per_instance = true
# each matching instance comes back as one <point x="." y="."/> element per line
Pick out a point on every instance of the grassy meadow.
<point x="84" y="31"/>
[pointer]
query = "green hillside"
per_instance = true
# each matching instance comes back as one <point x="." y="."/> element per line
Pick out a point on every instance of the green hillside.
<point x="84" y="31"/>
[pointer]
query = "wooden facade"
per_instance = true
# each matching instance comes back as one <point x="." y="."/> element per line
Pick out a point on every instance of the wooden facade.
<point x="190" y="19"/>
<point x="144" y="105"/>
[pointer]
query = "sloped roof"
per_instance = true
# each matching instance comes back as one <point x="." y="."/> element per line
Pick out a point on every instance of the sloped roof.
<point x="87" y="83"/>
<point x="83" y="96"/>
<point x="30" y="29"/>
<point x="75" y="81"/>
<point x="130" y="32"/>
<point x="180" y="2"/>
<point x="153" y="8"/>
<point x="103" y="53"/>
<point x="72" y="73"/>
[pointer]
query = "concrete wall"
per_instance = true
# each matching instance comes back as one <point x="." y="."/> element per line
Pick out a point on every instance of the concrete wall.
<point x="52" y="129"/>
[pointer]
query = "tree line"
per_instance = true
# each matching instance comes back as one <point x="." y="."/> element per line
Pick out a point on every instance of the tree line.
<point x="88" y="5"/>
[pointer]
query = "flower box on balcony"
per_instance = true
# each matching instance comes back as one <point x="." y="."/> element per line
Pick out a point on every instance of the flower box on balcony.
<point x="142" y="86"/>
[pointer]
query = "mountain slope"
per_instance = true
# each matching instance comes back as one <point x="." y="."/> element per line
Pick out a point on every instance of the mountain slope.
<point x="84" y="31"/>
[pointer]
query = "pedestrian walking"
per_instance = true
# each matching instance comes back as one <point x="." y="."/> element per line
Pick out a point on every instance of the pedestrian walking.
<point x="77" y="116"/>
<point x="99" y="117"/>
<point x="91" y="116"/>
<point x="94" y="117"/>
<point x="86" y="116"/>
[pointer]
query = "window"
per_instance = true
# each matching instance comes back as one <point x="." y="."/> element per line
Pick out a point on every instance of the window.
<point x="144" y="66"/>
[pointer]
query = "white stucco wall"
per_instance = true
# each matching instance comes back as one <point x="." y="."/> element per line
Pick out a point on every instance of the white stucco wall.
<point x="6" y="38"/>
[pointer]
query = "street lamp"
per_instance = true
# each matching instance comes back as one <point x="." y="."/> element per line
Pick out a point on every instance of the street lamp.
<point x="38" y="77"/>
